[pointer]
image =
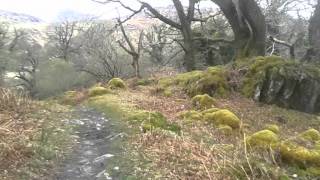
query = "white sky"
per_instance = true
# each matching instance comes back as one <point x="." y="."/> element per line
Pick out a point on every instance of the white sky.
<point x="48" y="10"/>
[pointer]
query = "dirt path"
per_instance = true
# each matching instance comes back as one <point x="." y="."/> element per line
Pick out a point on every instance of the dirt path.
<point x="90" y="156"/>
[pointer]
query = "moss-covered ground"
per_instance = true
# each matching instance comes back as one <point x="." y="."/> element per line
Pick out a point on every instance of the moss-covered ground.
<point x="197" y="125"/>
<point x="255" y="145"/>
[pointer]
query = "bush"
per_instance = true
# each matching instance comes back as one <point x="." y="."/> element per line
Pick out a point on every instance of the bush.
<point x="57" y="76"/>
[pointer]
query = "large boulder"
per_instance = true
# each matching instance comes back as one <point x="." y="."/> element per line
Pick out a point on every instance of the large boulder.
<point x="289" y="84"/>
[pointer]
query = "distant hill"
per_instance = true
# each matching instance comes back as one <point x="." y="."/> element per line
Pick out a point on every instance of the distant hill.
<point x="18" y="17"/>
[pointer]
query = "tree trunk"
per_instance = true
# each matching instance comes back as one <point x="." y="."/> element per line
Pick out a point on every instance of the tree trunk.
<point x="248" y="25"/>
<point x="136" y="66"/>
<point x="189" y="58"/>
<point x="313" y="54"/>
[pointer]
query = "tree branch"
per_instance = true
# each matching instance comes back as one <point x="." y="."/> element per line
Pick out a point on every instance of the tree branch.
<point x="283" y="43"/>
<point x="160" y="16"/>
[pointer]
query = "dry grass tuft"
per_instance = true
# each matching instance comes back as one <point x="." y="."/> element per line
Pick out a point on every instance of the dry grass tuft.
<point x="15" y="131"/>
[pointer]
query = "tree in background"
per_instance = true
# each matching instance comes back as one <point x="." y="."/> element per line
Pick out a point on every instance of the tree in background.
<point x="28" y="68"/>
<point x="62" y="35"/>
<point x="128" y="47"/>
<point x="3" y="42"/>
<point x="160" y="44"/>
<point x="184" y="24"/>
<point x="313" y="54"/>
<point x="99" y="55"/>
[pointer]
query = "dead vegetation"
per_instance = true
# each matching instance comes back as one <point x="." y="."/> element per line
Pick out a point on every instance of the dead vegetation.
<point x="27" y="131"/>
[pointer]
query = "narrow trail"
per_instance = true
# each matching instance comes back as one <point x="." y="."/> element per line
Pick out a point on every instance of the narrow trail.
<point x="91" y="153"/>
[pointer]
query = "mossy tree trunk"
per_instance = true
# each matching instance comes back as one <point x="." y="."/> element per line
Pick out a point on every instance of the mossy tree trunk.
<point x="248" y="24"/>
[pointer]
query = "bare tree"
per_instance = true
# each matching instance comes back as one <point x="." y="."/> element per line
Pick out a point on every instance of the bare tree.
<point x="160" y="44"/>
<point x="184" y="24"/>
<point x="128" y="47"/>
<point x="28" y="67"/>
<point x="99" y="54"/>
<point x="62" y="36"/>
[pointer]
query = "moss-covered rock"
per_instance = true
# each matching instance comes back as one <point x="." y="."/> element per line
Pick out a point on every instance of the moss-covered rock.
<point x="289" y="84"/>
<point x="98" y="91"/>
<point x="190" y="115"/>
<point x="152" y="120"/>
<point x="263" y="139"/>
<point x="273" y="127"/>
<point x="223" y="117"/>
<point x="203" y="102"/>
<point x="299" y="155"/>
<point x="225" y="129"/>
<point x="116" y="83"/>
<point x="209" y="111"/>
<point x="213" y="81"/>
<point x="311" y="135"/>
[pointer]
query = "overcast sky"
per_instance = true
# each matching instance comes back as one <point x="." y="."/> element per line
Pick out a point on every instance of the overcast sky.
<point x="48" y="10"/>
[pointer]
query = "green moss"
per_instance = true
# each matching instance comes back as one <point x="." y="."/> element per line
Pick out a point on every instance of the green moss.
<point x="261" y="67"/>
<point x="314" y="171"/>
<point x="264" y="139"/>
<point x="144" y="82"/>
<point x="110" y="105"/>
<point x="213" y="81"/>
<point x="190" y="115"/>
<point x="166" y="82"/>
<point x="272" y="127"/>
<point x="98" y="91"/>
<point x="203" y="102"/>
<point x="317" y="145"/>
<point x="188" y="78"/>
<point x="257" y="72"/>
<point x="225" y="129"/>
<point x="153" y="120"/>
<point x="167" y="92"/>
<point x="223" y="117"/>
<point x="299" y="155"/>
<point x="311" y="135"/>
<point x="116" y="83"/>
<point x="209" y="111"/>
